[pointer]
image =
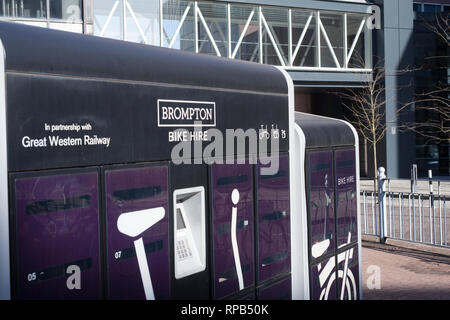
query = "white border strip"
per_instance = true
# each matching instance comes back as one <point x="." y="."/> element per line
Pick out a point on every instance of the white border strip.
<point x="5" y="284"/>
<point x="297" y="193"/>
<point x="326" y="69"/>
<point x="358" y="209"/>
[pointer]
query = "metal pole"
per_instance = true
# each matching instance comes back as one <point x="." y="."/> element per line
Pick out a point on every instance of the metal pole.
<point x="208" y="32"/>
<point x="136" y="22"/>
<point x="414" y="217"/>
<point x="328" y="43"/>
<point x="440" y="212"/>
<point x="390" y="207"/>
<point x="440" y="219"/>
<point x="260" y="35"/>
<point x="302" y="37"/>
<point x="271" y="38"/>
<point x="196" y="27"/>
<point x="241" y="37"/>
<point x="400" y="208"/>
<point x="391" y="211"/>
<point x="374" y="225"/>
<point x="364" y="212"/>
<point x="414" y="178"/>
<point x="108" y="19"/>
<point x="180" y="25"/>
<point x="431" y="205"/>
<point x="290" y="62"/>
<point x="420" y="219"/>
<point x="382" y="203"/>
<point x="422" y="230"/>
<point x="409" y="210"/>
<point x="445" y="223"/>
<point x="47" y="6"/>
<point x="88" y="16"/>
<point x="355" y="42"/>
<point x="124" y="20"/>
<point x="318" y="51"/>
<point x="161" y="23"/>
<point x="345" y="18"/>
<point x="229" y="30"/>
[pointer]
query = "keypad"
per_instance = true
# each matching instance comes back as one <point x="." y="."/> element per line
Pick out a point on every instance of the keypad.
<point x="183" y="249"/>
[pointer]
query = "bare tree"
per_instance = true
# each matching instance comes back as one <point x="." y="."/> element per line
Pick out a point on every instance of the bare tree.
<point x="435" y="107"/>
<point x="367" y="106"/>
<point x="440" y="27"/>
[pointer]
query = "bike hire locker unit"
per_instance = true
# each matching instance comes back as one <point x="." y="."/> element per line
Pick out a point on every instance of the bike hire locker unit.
<point x="94" y="207"/>
<point x="96" y="203"/>
<point x="330" y="149"/>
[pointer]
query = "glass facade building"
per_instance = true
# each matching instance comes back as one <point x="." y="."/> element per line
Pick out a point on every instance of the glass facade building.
<point x="431" y="54"/>
<point x="294" y="38"/>
<point x="289" y="37"/>
<point x="325" y="46"/>
<point x="57" y="14"/>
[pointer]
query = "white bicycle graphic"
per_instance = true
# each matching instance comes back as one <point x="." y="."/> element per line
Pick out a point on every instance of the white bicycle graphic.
<point x="327" y="274"/>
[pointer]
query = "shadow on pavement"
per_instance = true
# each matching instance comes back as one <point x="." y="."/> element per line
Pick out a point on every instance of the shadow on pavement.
<point x="417" y="254"/>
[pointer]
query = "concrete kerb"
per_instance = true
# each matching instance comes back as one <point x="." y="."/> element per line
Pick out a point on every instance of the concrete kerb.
<point x="408" y="245"/>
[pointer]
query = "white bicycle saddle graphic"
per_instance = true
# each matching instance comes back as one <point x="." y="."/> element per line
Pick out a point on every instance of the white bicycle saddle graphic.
<point x="134" y="224"/>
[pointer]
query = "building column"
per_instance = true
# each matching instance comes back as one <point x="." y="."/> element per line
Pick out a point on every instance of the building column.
<point x="394" y="46"/>
<point x="88" y="16"/>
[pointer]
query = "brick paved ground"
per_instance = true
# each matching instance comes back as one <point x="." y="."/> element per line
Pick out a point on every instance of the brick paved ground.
<point x="406" y="274"/>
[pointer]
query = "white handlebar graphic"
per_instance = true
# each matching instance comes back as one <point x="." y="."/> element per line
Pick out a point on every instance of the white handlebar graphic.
<point x="133" y="224"/>
<point x="234" y="244"/>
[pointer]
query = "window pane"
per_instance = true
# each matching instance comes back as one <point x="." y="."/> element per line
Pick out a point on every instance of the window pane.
<point x="431" y="8"/>
<point x="333" y="25"/>
<point x="248" y="49"/>
<point x="173" y="11"/>
<point x="417" y="7"/>
<point x="24" y="8"/>
<point x="357" y="58"/>
<point x="305" y="56"/>
<point x="108" y="19"/>
<point x="68" y="10"/>
<point x="216" y="20"/>
<point x="277" y="21"/>
<point x="142" y="19"/>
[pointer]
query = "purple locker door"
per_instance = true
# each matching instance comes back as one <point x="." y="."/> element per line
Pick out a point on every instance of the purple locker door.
<point x="323" y="280"/>
<point x="321" y="203"/>
<point x="280" y="290"/>
<point x="274" y="239"/>
<point x="57" y="232"/>
<point x="229" y="253"/>
<point x="348" y="275"/>
<point x="137" y="233"/>
<point x="250" y="296"/>
<point x="347" y="228"/>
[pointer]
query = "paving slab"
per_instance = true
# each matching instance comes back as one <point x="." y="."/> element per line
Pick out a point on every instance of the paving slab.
<point x="404" y="273"/>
